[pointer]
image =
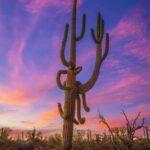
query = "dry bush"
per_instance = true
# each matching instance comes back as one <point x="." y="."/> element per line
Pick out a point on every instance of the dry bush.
<point x="124" y="137"/>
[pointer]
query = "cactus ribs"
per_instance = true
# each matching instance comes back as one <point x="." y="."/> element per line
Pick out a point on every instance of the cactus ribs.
<point x="74" y="89"/>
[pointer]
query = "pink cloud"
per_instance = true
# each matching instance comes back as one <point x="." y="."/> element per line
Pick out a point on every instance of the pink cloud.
<point x="27" y="83"/>
<point x="28" y="122"/>
<point x="139" y="48"/>
<point x="125" y="29"/>
<point x="91" y="54"/>
<point x="37" y="5"/>
<point x="125" y="82"/>
<point x="2" y="28"/>
<point x="111" y="63"/>
<point x="1" y="25"/>
<point x="21" y="35"/>
<point x="125" y="90"/>
<point x="45" y="118"/>
<point x="119" y="121"/>
<point x="29" y="86"/>
<point x="17" y="96"/>
<point x="131" y="25"/>
<point x="86" y="56"/>
<point x="123" y="71"/>
<point x="27" y="91"/>
<point x="134" y="26"/>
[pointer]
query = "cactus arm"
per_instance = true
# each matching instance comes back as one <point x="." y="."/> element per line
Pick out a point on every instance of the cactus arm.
<point x="94" y="36"/>
<point x="83" y="28"/>
<point x="80" y="119"/>
<point x="86" y="108"/>
<point x="83" y="88"/>
<point x="100" y="30"/>
<point x="78" y="70"/>
<point x="106" y="47"/>
<point x="59" y="84"/>
<point x="100" y="27"/>
<point x="61" y="112"/>
<point x="73" y="35"/>
<point x="64" y="41"/>
<point x="98" y="24"/>
<point x="75" y="121"/>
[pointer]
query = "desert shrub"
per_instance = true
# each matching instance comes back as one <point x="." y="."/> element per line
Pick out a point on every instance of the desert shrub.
<point x="34" y="136"/>
<point x="81" y="141"/>
<point x="55" y="141"/>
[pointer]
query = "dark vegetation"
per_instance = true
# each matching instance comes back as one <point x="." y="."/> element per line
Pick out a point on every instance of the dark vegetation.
<point x="117" y="138"/>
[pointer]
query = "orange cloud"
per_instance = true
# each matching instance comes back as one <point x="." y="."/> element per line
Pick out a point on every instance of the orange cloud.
<point x="12" y="97"/>
<point x="44" y="118"/>
<point x="50" y="115"/>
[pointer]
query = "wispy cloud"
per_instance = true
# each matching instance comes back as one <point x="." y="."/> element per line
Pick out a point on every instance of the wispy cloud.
<point x="1" y="29"/>
<point x="21" y="34"/>
<point x="134" y="28"/>
<point x="27" y="83"/>
<point x="44" y="119"/>
<point x="125" y="90"/>
<point x="35" y="6"/>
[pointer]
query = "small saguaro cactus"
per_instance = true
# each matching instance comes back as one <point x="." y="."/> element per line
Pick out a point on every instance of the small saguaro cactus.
<point x="75" y="91"/>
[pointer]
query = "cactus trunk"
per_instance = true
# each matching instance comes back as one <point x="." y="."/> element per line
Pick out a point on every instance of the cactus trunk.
<point x="73" y="89"/>
<point x="69" y="112"/>
<point x="67" y="134"/>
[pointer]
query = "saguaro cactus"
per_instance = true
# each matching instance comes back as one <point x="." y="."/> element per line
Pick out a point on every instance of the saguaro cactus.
<point x="75" y="90"/>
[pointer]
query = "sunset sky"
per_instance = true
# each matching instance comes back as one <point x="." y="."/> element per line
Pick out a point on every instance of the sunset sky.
<point x="31" y="32"/>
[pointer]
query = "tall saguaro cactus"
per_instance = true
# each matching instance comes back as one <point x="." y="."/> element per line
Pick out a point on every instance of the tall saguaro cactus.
<point x="75" y="91"/>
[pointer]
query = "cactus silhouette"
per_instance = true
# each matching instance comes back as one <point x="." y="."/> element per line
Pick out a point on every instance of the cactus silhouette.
<point x="74" y="89"/>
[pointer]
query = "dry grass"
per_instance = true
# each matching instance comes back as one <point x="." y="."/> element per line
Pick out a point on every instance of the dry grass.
<point x="81" y="141"/>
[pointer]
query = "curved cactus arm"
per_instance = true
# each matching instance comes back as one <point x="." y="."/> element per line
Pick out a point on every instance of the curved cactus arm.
<point x="75" y="121"/>
<point x="83" y="28"/>
<point x="61" y="112"/>
<point x="100" y="30"/>
<point x="64" y="41"/>
<point x="98" y="24"/>
<point x="100" y="27"/>
<point x="86" y="108"/>
<point x="83" y="88"/>
<point x="94" y="36"/>
<point x="78" y="70"/>
<point x="59" y="84"/>
<point x="106" y="47"/>
<point x="80" y="119"/>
